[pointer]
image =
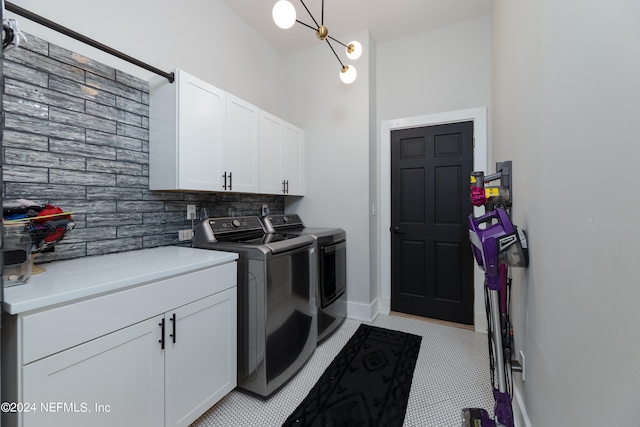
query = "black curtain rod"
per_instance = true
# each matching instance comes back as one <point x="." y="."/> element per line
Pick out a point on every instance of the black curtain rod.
<point x="67" y="32"/>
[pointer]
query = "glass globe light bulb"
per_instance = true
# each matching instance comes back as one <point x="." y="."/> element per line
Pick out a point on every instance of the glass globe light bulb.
<point x="284" y="14"/>
<point x="354" y="50"/>
<point x="348" y="74"/>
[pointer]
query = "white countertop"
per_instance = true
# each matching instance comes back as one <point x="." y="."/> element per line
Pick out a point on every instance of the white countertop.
<point x="66" y="281"/>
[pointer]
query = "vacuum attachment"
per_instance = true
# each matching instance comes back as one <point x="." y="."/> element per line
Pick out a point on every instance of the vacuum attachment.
<point x="495" y="196"/>
<point x="476" y="417"/>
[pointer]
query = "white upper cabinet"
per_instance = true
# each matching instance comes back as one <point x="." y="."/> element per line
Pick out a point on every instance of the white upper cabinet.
<point x="281" y="156"/>
<point x="187" y="134"/>
<point x="292" y="155"/>
<point x="203" y="139"/>
<point x="271" y="181"/>
<point x="242" y="147"/>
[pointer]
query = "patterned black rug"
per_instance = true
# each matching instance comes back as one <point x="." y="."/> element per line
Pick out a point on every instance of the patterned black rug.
<point x="366" y="385"/>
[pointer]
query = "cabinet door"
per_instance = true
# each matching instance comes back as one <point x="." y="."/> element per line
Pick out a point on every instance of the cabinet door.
<point x="115" y="380"/>
<point x="270" y="137"/>
<point x="201" y="366"/>
<point x="201" y="134"/>
<point x="241" y="148"/>
<point x="292" y="150"/>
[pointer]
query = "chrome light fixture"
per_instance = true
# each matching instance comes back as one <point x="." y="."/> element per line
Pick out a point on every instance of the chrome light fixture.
<point x="284" y="15"/>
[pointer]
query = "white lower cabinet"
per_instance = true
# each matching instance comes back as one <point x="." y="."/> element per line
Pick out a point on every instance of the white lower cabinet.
<point x="200" y="367"/>
<point x="116" y="380"/>
<point x="164" y="370"/>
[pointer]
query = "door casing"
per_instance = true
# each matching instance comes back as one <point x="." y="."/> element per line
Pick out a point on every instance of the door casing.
<point x="480" y="135"/>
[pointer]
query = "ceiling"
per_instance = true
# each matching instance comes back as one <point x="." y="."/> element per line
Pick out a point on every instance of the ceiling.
<point x="385" y="19"/>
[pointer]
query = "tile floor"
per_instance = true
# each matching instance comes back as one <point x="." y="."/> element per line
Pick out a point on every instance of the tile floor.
<point x="452" y="372"/>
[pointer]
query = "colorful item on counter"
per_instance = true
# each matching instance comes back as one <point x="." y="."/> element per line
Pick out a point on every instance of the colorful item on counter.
<point x="47" y="212"/>
<point x="47" y="224"/>
<point x="38" y="218"/>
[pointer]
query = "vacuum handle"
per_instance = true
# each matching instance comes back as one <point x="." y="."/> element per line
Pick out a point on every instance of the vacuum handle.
<point x="477" y="179"/>
<point x="487" y="220"/>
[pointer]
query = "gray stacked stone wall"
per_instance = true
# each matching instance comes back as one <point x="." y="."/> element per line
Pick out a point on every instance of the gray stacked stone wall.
<point x="77" y="136"/>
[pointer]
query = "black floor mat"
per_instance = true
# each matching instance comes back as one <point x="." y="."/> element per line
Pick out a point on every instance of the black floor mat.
<point x="367" y="384"/>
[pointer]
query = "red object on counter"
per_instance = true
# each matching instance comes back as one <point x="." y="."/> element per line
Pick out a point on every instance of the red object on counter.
<point x="50" y="210"/>
<point x="56" y="235"/>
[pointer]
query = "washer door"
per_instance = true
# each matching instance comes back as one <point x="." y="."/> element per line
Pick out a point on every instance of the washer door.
<point x="333" y="272"/>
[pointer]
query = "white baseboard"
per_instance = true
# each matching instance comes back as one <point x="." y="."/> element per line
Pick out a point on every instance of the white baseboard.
<point x="384" y="307"/>
<point x="480" y="321"/>
<point x="521" y="418"/>
<point x="362" y="312"/>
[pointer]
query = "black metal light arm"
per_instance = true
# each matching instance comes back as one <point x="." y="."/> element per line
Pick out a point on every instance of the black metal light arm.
<point x="309" y="12"/>
<point x="337" y="41"/>
<point x="307" y="25"/>
<point x="332" y="49"/>
<point x="323" y="34"/>
<point x="334" y="52"/>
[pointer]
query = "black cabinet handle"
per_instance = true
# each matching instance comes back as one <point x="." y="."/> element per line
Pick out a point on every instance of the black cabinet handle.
<point x="161" y="340"/>
<point x="287" y="187"/>
<point x="225" y="181"/>
<point x="230" y="181"/>
<point x="284" y="186"/>
<point x="173" y="335"/>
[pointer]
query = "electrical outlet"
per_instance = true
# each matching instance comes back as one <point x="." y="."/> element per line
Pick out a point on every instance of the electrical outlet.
<point x="185" y="235"/>
<point x="191" y="211"/>
<point x="522" y="363"/>
<point x="265" y="210"/>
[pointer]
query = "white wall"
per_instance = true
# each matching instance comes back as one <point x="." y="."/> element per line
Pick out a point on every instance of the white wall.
<point x="374" y="241"/>
<point x="335" y="118"/>
<point x="436" y="71"/>
<point x="203" y="37"/>
<point x="566" y="97"/>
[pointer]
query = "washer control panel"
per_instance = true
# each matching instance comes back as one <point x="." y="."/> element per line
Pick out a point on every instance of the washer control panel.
<point x="284" y="220"/>
<point x="226" y="225"/>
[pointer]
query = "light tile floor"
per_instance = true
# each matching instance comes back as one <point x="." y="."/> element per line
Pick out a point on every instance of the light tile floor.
<point x="452" y="372"/>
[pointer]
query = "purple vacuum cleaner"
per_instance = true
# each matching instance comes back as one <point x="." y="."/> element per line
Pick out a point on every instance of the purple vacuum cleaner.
<point x="497" y="244"/>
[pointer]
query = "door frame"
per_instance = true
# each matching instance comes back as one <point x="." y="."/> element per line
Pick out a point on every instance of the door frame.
<point x="480" y="136"/>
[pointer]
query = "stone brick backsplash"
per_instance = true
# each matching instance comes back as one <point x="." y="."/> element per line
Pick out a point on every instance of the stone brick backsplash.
<point x="77" y="136"/>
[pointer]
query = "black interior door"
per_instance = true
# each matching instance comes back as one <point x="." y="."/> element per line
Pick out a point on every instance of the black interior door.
<point x="431" y="259"/>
